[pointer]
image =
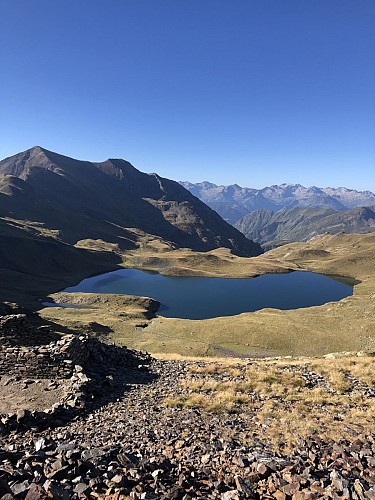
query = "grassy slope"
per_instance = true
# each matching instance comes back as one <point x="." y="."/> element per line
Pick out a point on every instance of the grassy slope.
<point x="286" y="400"/>
<point x="33" y="262"/>
<point x="347" y="325"/>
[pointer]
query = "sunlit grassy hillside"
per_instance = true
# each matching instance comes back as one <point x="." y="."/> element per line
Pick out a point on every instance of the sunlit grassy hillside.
<point x="348" y="325"/>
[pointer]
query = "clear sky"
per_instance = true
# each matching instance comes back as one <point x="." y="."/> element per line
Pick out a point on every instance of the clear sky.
<point x="254" y="92"/>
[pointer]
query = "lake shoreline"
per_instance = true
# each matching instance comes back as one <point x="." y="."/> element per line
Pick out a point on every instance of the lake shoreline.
<point x="209" y="297"/>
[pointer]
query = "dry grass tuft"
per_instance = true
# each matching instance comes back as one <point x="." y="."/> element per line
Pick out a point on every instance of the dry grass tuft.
<point x="344" y="372"/>
<point x="287" y="400"/>
<point x="223" y="400"/>
<point x="216" y="368"/>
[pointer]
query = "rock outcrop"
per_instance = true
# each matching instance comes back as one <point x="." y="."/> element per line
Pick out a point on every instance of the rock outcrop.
<point x="79" y="369"/>
<point x="115" y="436"/>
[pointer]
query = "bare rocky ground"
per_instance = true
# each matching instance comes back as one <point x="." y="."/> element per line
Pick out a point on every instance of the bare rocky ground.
<point x="142" y="435"/>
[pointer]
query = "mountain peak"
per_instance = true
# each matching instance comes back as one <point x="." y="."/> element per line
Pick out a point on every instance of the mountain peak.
<point x="37" y="151"/>
<point x="20" y="164"/>
<point x="232" y="203"/>
<point x="102" y="200"/>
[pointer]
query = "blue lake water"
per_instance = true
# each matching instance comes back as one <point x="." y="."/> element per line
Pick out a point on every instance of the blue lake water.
<point x="201" y="297"/>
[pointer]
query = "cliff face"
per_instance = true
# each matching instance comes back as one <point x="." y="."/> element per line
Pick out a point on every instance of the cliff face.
<point x="82" y="199"/>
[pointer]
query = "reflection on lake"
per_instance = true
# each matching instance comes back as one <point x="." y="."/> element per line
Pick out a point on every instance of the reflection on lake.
<point x="201" y="297"/>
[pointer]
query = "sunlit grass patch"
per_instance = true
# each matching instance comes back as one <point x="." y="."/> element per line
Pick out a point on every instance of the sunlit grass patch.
<point x="362" y="369"/>
<point x="340" y="372"/>
<point x="214" y="402"/>
<point x="274" y="380"/>
<point x="274" y="397"/>
<point x="216" y="368"/>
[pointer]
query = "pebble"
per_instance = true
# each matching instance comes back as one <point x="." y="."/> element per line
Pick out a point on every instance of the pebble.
<point x="125" y="443"/>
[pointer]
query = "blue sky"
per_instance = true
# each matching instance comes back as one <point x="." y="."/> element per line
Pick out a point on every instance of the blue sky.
<point x="254" y="92"/>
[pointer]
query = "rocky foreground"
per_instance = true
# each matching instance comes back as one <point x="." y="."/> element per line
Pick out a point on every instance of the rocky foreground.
<point x="142" y="435"/>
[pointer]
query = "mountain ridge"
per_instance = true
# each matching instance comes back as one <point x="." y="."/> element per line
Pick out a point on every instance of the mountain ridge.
<point x="272" y="229"/>
<point x="232" y="202"/>
<point x="63" y="219"/>
<point x="104" y="199"/>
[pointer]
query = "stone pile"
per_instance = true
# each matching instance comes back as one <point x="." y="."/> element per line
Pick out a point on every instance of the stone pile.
<point x="84" y="366"/>
<point x="17" y="329"/>
<point x="60" y="468"/>
<point x="24" y="350"/>
<point x="114" y="437"/>
<point x="137" y="447"/>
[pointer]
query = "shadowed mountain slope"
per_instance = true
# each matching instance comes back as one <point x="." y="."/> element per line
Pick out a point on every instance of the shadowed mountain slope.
<point x="300" y="224"/>
<point x="109" y="200"/>
<point x="233" y="202"/>
<point x="34" y="262"/>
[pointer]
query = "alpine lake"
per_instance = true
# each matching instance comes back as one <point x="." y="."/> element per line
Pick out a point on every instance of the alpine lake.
<point x="205" y="297"/>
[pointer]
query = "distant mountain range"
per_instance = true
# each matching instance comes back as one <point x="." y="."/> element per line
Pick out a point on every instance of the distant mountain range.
<point x="233" y="202"/>
<point x="272" y="229"/>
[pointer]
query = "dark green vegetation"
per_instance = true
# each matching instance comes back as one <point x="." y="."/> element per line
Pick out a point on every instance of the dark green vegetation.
<point x="272" y="229"/>
<point x="49" y="202"/>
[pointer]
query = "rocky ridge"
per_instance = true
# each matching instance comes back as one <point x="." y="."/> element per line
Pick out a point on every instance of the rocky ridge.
<point x="72" y="369"/>
<point x="233" y="202"/>
<point x="110" y="201"/>
<point x="127" y="442"/>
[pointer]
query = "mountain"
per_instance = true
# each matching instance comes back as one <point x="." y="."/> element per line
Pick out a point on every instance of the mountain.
<point x="233" y="202"/>
<point x="34" y="262"/>
<point x="110" y="200"/>
<point x="63" y="219"/>
<point x="350" y="198"/>
<point x="272" y="229"/>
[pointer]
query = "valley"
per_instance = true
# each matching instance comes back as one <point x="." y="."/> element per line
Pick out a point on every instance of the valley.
<point x="51" y="251"/>
<point x="187" y="250"/>
<point x="347" y="325"/>
<point x="76" y="378"/>
<point x="272" y="229"/>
